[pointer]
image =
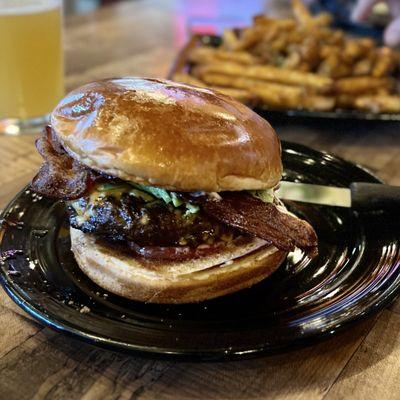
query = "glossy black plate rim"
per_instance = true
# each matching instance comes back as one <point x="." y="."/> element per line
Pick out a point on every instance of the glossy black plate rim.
<point x="212" y="354"/>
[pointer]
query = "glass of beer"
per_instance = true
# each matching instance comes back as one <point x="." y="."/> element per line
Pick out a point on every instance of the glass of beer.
<point x="31" y="63"/>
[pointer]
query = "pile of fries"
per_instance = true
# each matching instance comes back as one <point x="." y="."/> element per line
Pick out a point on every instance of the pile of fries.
<point x="298" y="63"/>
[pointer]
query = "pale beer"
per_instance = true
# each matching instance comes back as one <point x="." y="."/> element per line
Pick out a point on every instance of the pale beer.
<point x="31" y="59"/>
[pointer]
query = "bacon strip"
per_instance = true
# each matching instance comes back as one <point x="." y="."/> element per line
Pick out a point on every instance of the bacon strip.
<point x="60" y="176"/>
<point x="264" y="220"/>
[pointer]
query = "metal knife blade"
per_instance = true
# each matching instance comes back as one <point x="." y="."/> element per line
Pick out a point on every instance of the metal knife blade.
<point x="316" y="194"/>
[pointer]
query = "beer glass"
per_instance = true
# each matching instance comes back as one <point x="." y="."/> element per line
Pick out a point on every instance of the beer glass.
<point x="31" y="63"/>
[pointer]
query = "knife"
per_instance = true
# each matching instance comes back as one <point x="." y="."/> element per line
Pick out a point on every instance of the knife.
<point x="360" y="195"/>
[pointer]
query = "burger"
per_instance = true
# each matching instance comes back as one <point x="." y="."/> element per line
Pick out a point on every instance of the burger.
<point x="169" y="190"/>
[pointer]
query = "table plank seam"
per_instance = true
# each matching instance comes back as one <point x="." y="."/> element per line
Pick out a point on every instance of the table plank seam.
<point x="393" y="310"/>
<point x="136" y="395"/>
<point x="352" y="356"/>
<point x="40" y="329"/>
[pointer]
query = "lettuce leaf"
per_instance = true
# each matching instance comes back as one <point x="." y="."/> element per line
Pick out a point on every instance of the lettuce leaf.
<point x="267" y="195"/>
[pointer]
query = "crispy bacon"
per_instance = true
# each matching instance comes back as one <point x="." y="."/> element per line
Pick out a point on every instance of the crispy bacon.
<point x="264" y="220"/>
<point x="53" y="140"/>
<point x="60" y="176"/>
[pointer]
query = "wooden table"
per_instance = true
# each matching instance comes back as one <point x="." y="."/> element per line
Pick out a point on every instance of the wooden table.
<point x="35" y="362"/>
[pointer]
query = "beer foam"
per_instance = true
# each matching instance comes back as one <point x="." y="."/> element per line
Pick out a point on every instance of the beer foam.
<point x="19" y="7"/>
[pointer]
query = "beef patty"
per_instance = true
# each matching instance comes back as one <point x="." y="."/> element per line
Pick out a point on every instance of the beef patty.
<point x="127" y="218"/>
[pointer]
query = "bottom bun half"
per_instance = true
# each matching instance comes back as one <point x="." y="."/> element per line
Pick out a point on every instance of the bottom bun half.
<point x="190" y="281"/>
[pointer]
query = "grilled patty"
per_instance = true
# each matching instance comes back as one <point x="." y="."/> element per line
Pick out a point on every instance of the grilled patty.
<point x="127" y="218"/>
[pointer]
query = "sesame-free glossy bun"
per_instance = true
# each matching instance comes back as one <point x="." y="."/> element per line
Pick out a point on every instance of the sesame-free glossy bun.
<point x="175" y="282"/>
<point x="168" y="134"/>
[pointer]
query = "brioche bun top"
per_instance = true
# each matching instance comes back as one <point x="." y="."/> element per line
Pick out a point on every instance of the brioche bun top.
<point x="166" y="134"/>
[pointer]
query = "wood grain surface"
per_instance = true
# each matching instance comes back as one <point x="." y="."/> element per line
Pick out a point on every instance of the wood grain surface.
<point x="142" y="38"/>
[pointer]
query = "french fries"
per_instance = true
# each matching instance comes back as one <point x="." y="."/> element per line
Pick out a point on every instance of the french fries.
<point x="188" y="79"/>
<point x="272" y="94"/>
<point x="301" y="13"/>
<point x="298" y="63"/>
<point x="241" y="95"/>
<point x="263" y="20"/>
<point x="272" y="74"/>
<point x="362" y="84"/>
<point x="275" y="95"/>
<point x="209" y="54"/>
<point x="318" y="103"/>
<point x="363" y="67"/>
<point x="344" y="101"/>
<point x="384" y="63"/>
<point x="229" y="40"/>
<point x="379" y="103"/>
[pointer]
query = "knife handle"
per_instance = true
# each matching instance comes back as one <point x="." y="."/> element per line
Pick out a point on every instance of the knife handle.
<point x="374" y="196"/>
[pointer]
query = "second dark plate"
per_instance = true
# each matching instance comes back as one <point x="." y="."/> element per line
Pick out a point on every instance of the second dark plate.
<point x="182" y="64"/>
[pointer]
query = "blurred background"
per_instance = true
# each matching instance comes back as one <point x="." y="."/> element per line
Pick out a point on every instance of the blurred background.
<point x="108" y="38"/>
<point x="241" y="11"/>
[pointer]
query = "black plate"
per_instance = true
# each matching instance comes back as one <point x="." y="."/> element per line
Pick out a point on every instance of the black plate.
<point x="356" y="273"/>
<point x="342" y="114"/>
